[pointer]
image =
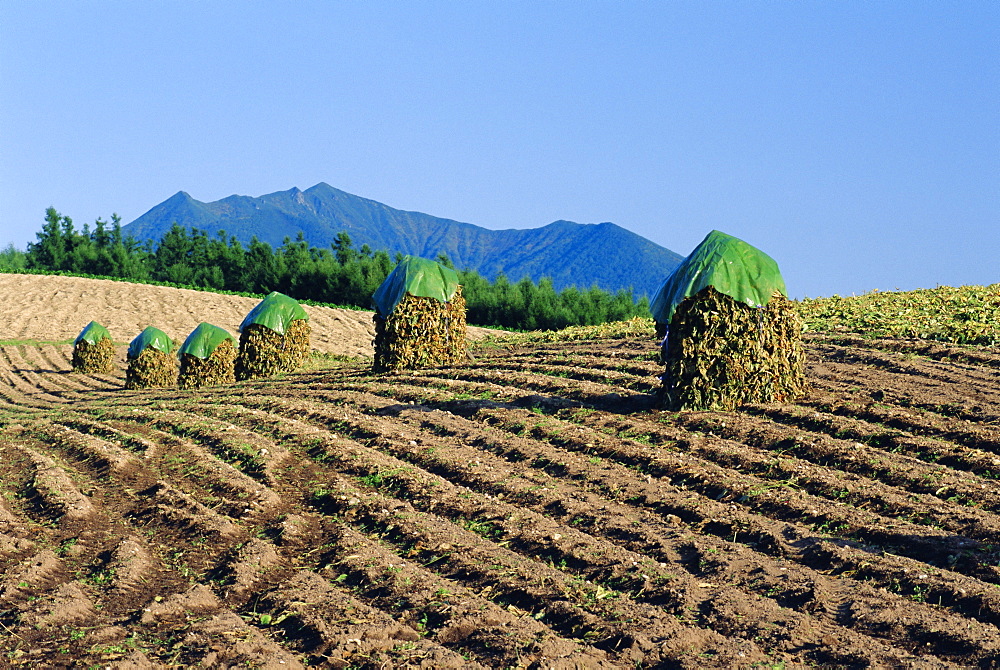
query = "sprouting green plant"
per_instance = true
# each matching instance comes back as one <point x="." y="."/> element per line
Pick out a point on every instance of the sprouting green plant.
<point x="66" y="545"/>
<point x="380" y="478"/>
<point x="487" y="529"/>
<point x="102" y="577"/>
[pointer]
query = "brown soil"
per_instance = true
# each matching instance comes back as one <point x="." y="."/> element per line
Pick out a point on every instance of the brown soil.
<point x="52" y="308"/>
<point x="530" y="509"/>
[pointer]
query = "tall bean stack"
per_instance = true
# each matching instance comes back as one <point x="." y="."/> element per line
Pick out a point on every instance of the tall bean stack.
<point x="218" y="368"/>
<point x="274" y="337"/>
<point x="421" y="332"/>
<point x="265" y="352"/>
<point x="94" y="359"/>
<point x="721" y="353"/>
<point x="94" y="351"/>
<point x="151" y="369"/>
<point x="151" y="363"/>
<point x="208" y="357"/>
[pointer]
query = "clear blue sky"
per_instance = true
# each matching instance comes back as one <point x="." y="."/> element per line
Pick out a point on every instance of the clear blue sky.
<point x="857" y="143"/>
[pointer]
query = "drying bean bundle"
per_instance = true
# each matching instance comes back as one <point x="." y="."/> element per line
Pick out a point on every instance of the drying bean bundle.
<point x="265" y="352"/>
<point x="722" y="353"/>
<point x="421" y="332"/>
<point x="218" y="368"/>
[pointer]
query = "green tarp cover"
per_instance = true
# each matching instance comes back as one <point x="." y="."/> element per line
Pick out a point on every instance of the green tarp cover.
<point x="203" y="340"/>
<point x="419" y="277"/>
<point x="92" y="334"/>
<point x="729" y="265"/>
<point x="151" y="337"/>
<point x="276" y="311"/>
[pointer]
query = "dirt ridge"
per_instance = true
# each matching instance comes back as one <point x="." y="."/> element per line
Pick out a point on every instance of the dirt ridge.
<point x="530" y="509"/>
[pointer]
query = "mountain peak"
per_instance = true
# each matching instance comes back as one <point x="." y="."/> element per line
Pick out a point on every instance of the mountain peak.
<point x="569" y="253"/>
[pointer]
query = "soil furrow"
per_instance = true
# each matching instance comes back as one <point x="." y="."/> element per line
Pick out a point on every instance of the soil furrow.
<point x="775" y="499"/>
<point x="535" y="593"/>
<point x="917" y="390"/>
<point x="939" y="351"/>
<point x="48" y="384"/>
<point x="956" y="460"/>
<point x="636" y="367"/>
<point x="331" y="626"/>
<point x="394" y="474"/>
<point x="570" y="504"/>
<point x="355" y="459"/>
<point x="809" y="461"/>
<point x="19" y="390"/>
<point x="532" y="508"/>
<point x="250" y="454"/>
<point x="929" y="370"/>
<point x="107" y="458"/>
<point x="611" y="378"/>
<point x="894" y="419"/>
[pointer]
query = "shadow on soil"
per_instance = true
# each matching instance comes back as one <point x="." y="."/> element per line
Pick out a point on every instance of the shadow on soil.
<point x="611" y="402"/>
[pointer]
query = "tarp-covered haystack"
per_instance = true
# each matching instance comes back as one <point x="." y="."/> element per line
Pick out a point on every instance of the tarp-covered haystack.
<point x="208" y="357"/>
<point x="151" y="363"/>
<point x="732" y="336"/>
<point x="419" y="317"/>
<point x="94" y="351"/>
<point x="274" y="337"/>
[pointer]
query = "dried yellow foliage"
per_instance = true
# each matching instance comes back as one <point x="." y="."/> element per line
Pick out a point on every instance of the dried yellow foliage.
<point x="94" y="359"/>
<point x="421" y="332"/>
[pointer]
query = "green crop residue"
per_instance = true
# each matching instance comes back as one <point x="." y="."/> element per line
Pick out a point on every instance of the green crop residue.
<point x="963" y="315"/>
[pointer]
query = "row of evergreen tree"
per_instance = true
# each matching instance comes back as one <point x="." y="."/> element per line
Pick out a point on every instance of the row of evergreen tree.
<point x="340" y="274"/>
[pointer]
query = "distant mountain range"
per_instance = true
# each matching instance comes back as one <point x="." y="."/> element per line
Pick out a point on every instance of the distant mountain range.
<point x="572" y="254"/>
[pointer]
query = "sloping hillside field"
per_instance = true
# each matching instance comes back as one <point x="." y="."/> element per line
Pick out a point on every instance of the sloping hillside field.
<point x="530" y="509"/>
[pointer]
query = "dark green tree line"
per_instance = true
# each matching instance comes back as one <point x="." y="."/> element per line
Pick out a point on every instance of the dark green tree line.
<point x="340" y="274"/>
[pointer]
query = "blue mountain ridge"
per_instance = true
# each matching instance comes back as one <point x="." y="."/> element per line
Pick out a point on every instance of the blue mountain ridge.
<point x="571" y="254"/>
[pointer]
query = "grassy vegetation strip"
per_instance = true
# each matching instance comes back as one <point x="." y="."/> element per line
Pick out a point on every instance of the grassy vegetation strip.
<point x="967" y="314"/>
<point x="632" y="328"/>
<point x="963" y="315"/>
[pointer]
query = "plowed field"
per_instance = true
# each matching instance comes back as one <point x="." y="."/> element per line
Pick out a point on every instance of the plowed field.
<point x="530" y="509"/>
